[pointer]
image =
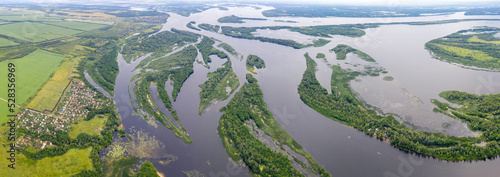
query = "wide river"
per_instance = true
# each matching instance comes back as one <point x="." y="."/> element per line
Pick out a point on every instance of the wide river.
<point x="341" y="150"/>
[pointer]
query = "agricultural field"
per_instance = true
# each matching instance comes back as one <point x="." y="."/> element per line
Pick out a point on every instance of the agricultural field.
<point x="77" y="25"/>
<point x="91" y="127"/>
<point x="35" y="32"/>
<point x="31" y="72"/>
<point x="50" y="93"/>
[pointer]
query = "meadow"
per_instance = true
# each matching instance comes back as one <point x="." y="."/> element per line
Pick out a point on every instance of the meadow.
<point x="31" y="73"/>
<point x="5" y="42"/>
<point x="35" y="32"/>
<point x="463" y="52"/>
<point x="88" y="127"/>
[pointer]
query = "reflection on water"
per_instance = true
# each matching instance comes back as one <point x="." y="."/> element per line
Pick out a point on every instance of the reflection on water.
<point x="343" y="151"/>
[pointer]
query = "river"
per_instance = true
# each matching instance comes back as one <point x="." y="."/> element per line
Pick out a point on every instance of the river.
<point x="341" y="150"/>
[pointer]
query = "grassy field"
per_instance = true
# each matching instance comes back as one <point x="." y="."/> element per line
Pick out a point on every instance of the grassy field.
<point x="463" y="52"/>
<point x="71" y="163"/>
<point x="50" y="93"/>
<point x="31" y="72"/>
<point x="77" y="25"/>
<point x="476" y="39"/>
<point x="5" y="42"/>
<point x="35" y="32"/>
<point x="88" y="127"/>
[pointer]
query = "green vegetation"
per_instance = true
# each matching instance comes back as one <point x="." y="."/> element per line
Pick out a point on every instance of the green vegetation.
<point x="48" y="96"/>
<point x="105" y="69"/>
<point x="84" y="26"/>
<point x="228" y="48"/>
<point x="147" y="170"/>
<point x="187" y="10"/>
<point x="183" y="59"/>
<point x="474" y="47"/>
<point x="250" y="78"/>
<point x="176" y="67"/>
<point x="481" y="112"/>
<point x="206" y="49"/>
<point x="31" y="72"/>
<point x="6" y="42"/>
<point x="317" y="31"/>
<point x="208" y="27"/>
<point x="342" y="50"/>
<point x="91" y="127"/>
<point x="235" y="19"/>
<point x="321" y="56"/>
<point x="311" y="10"/>
<point x="160" y="44"/>
<point x="35" y="32"/>
<point x="118" y="167"/>
<point x="190" y="25"/>
<point x="70" y="163"/>
<point x="343" y="107"/>
<point x="145" y="101"/>
<point x="220" y="84"/>
<point x="320" y="42"/>
<point x="254" y="61"/>
<point x="248" y="106"/>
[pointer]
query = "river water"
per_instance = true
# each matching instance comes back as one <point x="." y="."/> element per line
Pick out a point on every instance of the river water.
<point x="341" y="150"/>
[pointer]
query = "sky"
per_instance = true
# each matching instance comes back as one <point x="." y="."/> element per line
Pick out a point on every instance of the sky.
<point x="352" y="2"/>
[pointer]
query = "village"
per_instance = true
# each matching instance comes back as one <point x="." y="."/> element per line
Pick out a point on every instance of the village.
<point x="73" y="107"/>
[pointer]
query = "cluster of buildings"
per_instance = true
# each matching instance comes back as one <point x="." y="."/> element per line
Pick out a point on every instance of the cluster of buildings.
<point x="72" y="108"/>
<point x="77" y="98"/>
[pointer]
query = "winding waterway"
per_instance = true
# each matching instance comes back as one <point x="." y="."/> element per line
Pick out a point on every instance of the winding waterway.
<point x="341" y="150"/>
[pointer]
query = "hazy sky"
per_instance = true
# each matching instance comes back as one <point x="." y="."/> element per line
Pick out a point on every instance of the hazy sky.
<point x="364" y="2"/>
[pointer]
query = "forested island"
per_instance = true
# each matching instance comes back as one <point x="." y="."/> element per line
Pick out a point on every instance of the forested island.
<point x="220" y="84"/>
<point x="254" y="61"/>
<point x="247" y="112"/>
<point x="342" y="50"/>
<point x="206" y="49"/>
<point x="474" y="47"/>
<point x="236" y="19"/>
<point x="342" y="106"/>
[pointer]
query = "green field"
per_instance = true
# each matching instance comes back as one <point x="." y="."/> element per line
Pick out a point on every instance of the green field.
<point x="31" y="72"/>
<point x="88" y="127"/>
<point x="5" y="42"/>
<point x="76" y="25"/>
<point x="35" y="32"/>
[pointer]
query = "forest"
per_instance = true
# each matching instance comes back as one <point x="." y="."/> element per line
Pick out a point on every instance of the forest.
<point x="105" y="69"/>
<point x="254" y="61"/>
<point x="208" y="27"/>
<point x="248" y="105"/>
<point x="219" y="85"/>
<point x="473" y="47"/>
<point x="236" y="19"/>
<point x="342" y="50"/>
<point x="481" y="112"/>
<point x="160" y="44"/>
<point x="317" y="31"/>
<point x="343" y="107"/>
<point x="190" y="25"/>
<point x="206" y="49"/>
<point x="145" y="101"/>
